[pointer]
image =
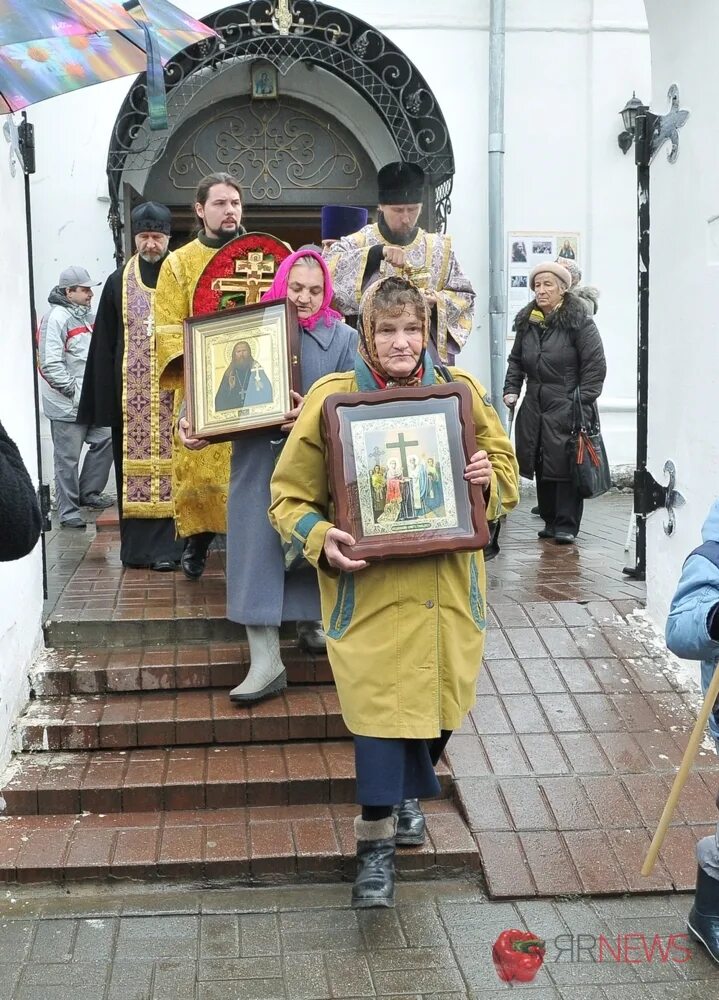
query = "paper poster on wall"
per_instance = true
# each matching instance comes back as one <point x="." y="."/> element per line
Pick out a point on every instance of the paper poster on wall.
<point x="524" y="251"/>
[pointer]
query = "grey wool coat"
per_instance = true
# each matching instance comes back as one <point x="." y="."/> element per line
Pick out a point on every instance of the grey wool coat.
<point x="555" y="356"/>
<point x="259" y="591"/>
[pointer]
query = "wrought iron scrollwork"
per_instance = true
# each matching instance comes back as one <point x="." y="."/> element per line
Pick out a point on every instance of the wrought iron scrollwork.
<point x="284" y="33"/>
<point x="270" y="148"/>
<point x="443" y="204"/>
<point x="666" y="127"/>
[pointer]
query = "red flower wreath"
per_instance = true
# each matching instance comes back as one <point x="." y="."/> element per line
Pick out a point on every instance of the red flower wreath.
<point x="206" y="299"/>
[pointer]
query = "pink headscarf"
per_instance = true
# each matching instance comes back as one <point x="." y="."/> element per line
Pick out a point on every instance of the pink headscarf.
<point x="278" y="289"/>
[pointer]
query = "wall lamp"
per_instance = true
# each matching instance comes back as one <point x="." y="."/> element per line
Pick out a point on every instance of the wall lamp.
<point x="631" y="110"/>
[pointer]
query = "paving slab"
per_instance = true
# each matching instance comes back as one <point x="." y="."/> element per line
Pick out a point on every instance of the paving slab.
<point x="560" y="771"/>
<point x="294" y="946"/>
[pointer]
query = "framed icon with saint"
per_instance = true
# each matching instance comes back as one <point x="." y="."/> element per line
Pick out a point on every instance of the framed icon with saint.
<point x="240" y="365"/>
<point x="396" y="471"/>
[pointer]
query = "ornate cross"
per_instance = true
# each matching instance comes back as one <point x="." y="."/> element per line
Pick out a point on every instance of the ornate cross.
<point x="149" y="323"/>
<point x="403" y="446"/>
<point x="254" y="275"/>
<point x="282" y="16"/>
<point x="256" y="370"/>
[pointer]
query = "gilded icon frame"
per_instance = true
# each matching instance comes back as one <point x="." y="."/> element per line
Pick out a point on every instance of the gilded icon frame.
<point x="249" y="394"/>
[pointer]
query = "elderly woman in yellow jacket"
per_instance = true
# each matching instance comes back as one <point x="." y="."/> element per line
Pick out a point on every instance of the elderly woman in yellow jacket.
<point x="404" y="636"/>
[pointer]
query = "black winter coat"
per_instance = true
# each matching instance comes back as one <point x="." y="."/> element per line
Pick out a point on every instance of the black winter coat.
<point x="555" y="356"/>
<point x="20" y="518"/>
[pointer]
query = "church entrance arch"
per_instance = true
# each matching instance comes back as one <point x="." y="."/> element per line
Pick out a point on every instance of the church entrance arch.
<point x="301" y="102"/>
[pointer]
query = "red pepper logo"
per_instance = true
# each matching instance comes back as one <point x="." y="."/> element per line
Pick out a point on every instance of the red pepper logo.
<point x="517" y="955"/>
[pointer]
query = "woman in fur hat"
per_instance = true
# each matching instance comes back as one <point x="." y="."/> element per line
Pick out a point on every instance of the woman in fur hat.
<point x="557" y="347"/>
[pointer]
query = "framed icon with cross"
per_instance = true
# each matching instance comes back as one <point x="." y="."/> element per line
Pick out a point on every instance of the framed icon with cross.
<point x="396" y="471"/>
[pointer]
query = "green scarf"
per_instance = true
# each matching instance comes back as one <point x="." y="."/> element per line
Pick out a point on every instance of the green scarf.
<point x="537" y="316"/>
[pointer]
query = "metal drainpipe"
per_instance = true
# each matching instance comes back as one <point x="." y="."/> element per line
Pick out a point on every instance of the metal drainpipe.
<point x="495" y="196"/>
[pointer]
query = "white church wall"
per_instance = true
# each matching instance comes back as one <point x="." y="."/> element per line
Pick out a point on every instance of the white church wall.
<point x="684" y="374"/>
<point x="611" y="250"/>
<point x="20" y="581"/>
<point x="570" y="68"/>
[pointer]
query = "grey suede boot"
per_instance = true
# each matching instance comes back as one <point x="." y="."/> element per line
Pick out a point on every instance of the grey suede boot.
<point x="267" y="674"/>
<point x="374" y="882"/>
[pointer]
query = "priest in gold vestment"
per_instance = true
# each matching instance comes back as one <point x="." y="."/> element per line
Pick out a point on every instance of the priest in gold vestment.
<point x="200" y="478"/>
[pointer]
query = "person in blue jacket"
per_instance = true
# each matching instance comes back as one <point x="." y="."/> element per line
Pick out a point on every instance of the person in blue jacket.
<point x="692" y="632"/>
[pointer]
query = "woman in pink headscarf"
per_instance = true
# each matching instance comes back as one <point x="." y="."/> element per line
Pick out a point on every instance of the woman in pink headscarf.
<point x="260" y="594"/>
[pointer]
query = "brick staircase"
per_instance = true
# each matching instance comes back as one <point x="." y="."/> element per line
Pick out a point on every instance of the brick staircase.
<point x="134" y="764"/>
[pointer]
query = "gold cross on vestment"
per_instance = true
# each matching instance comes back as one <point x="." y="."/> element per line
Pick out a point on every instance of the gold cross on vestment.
<point x="253" y="276"/>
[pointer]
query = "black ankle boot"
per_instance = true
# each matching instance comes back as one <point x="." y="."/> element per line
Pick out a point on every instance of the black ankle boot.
<point x="410" y="823"/>
<point x="703" y="920"/>
<point x="194" y="556"/>
<point x="374" y="882"/>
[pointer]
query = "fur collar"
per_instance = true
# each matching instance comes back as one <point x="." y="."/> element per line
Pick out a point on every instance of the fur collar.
<point x="590" y="294"/>
<point x="570" y="316"/>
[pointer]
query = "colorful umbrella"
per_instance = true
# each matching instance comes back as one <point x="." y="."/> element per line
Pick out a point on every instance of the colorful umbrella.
<point x="49" y="47"/>
<point x="22" y="21"/>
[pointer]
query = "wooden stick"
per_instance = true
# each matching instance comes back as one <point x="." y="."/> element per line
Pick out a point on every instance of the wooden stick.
<point x="682" y="774"/>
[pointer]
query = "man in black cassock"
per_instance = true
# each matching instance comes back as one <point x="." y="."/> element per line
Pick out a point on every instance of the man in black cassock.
<point x="121" y="391"/>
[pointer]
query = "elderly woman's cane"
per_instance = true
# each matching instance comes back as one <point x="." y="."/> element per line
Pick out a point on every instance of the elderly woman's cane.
<point x="682" y="774"/>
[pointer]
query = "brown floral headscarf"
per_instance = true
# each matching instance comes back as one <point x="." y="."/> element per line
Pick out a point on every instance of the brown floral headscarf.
<point x="388" y="294"/>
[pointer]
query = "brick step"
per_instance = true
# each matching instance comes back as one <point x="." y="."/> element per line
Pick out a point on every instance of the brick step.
<point x="168" y="718"/>
<point x="62" y="672"/>
<point x="108" y="781"/>
<point x="260" y="844"/>
<point x="108" y="520"/>
<point x="146" y="621"/>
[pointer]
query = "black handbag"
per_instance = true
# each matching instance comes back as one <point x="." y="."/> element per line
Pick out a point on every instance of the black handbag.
<point x="588" y="463"/>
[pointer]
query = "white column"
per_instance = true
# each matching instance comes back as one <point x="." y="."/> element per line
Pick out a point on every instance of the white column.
<point x="684" y="281"/>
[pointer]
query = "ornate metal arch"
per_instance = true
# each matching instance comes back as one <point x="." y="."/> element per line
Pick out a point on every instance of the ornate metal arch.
<point x="285" y="32"/>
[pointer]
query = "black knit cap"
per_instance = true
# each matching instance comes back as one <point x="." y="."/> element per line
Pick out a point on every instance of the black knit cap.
<point x="151" y="217"/>
<point x="400" y="184"/>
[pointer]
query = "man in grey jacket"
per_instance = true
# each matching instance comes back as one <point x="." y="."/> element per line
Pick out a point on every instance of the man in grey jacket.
<point x="63" y="344"/>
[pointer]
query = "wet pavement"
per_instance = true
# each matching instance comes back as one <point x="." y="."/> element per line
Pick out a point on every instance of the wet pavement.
<point x="306" y="944"/>
<point x="560" y="771"/>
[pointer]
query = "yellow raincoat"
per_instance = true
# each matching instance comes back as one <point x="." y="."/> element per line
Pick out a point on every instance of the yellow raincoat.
<point x="404" y="636"/>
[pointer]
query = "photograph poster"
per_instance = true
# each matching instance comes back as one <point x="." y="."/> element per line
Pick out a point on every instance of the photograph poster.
<point x="524" y="251"/>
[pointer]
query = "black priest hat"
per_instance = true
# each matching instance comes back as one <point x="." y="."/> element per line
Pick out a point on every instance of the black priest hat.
<point x="151" y="217"/>
<point x="400" y="184"/>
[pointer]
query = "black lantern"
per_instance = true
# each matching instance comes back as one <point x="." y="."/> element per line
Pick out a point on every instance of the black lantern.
<point x="629" y="113"/>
